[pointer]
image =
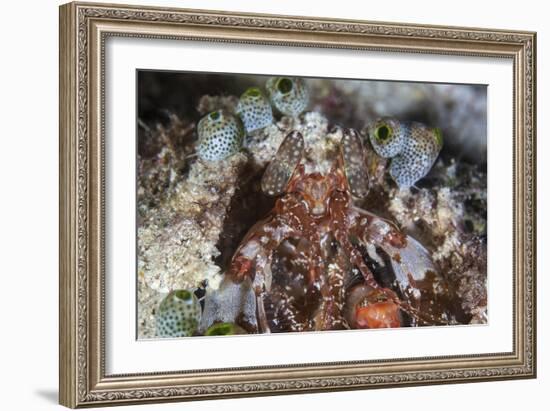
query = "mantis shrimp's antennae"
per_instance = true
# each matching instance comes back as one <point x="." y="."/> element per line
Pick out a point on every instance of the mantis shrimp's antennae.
<point x="353" y="156"/>
<point x="281" y="168"/>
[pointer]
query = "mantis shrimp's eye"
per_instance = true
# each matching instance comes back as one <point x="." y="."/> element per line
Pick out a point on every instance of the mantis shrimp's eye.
<point x="416" y="160"/>
<point x="387" y="137"/>
<point x="224" y="329"/>
<point x="281" y="168"/>
<point x="289" y="95"/>
<point x="178" y="314"/>
<point x="254" y="110"/>
<point x="353" y="156"/>
<point x="220" y="135"/>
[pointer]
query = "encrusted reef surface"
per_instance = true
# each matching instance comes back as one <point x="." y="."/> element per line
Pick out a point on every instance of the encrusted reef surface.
<point x="192" y="213"/>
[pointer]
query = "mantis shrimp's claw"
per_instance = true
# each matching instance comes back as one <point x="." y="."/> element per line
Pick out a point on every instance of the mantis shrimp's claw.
<point x="231" y="303"/>
<point x="416" y="276"/>
<point x="252" y="259"/>
<point x="411" y="263"/>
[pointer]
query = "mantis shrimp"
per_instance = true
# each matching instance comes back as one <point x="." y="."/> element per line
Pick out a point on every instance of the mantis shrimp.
<point x="311" y="262"/>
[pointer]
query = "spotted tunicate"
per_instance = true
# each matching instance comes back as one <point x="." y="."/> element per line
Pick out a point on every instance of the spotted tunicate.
<point x="289" y="95"/>
<point x="413" y="148"/>
<point x="220" y="135"/>
<point x="387" y="137"/>
<point x="178" y="314"/>
<point x="254" y="110"/>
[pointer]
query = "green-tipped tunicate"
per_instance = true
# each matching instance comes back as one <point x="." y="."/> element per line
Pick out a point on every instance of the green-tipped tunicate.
<point x="289" y="95"/>
<point x="178" y="314"/>
<point x="220" y="135"/>
<point x="387" y="136"/>
<point x="413" y="148"/>
<point x="254" y="110"/>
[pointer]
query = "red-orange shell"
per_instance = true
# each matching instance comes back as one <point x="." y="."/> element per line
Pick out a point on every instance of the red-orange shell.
<point x="378" y="315"/>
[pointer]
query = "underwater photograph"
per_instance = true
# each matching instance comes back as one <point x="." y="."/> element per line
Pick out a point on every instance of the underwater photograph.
<point x="273" y="204"/>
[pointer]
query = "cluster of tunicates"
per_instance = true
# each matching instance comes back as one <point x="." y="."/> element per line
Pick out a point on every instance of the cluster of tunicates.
<point x="413" y="148"/>
<point x="221" y="133"/>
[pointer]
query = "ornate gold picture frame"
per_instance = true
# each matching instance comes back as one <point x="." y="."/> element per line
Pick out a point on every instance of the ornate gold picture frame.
<point x="84" y="30"/>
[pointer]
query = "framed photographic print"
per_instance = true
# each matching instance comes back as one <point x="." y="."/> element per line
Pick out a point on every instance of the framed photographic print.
<point x="258" y="204"/>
